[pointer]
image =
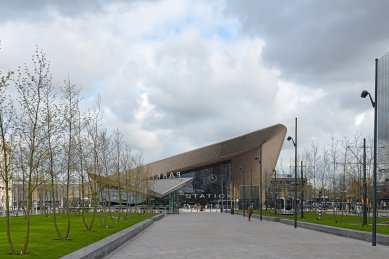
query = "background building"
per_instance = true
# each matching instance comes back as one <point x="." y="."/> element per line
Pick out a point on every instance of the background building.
<point x="383" y="128"/>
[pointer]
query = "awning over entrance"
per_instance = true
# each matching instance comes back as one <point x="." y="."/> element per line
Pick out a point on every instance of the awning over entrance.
<point x="162" y="187"/>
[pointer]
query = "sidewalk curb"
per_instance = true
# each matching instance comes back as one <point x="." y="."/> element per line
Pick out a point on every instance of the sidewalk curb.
<point x="105" y="246"/>
<point x="360" y="235"/>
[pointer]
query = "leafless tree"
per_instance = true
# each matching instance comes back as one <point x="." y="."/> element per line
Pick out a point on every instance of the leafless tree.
<point x="7" y="116"/>
<point x="52" y="123"/>
<point x="70" y="104"/>
<point x="118" y="150"/>
<point x="315" y="162"/>
<point x="324" y="172"/>
<point x="83" y="149"/>
<point x="31" y="127"/>
<point x="128" y="163"/>
<point x="106" y="148"/>
<point x="95" y="167"/>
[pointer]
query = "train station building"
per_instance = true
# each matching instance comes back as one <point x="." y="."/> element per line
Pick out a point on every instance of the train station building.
<point x="226" y="173"/>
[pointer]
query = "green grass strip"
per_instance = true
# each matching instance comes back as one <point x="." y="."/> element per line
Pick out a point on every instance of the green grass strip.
<point x="44" y="242"/>
<point x="353" y="222"/>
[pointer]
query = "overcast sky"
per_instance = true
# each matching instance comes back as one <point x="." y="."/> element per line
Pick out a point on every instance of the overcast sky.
<point x="175" y="75"/>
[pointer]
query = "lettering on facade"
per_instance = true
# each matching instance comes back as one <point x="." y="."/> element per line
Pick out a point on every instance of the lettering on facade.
<point x="204" y="195"/>
<point x="170" y="175"/>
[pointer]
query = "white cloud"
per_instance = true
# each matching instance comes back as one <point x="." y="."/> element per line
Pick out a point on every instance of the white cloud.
<point x="174" y="75"/>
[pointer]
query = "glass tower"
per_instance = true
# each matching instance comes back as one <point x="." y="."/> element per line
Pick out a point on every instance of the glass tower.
<point x="383" y="117"/>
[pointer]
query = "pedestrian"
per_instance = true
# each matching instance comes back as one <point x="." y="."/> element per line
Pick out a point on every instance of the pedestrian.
<point x="250" y="210"/>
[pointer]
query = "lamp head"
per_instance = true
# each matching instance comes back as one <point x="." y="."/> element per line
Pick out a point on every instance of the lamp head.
<point x="364" y="94"/>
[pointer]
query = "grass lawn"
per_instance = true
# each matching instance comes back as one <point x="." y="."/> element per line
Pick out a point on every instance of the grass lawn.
<point x="337" y="220"/>
<point x="44" y="242"/>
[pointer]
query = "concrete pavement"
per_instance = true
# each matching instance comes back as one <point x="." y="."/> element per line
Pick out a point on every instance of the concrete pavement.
<point x="220" y="235"/>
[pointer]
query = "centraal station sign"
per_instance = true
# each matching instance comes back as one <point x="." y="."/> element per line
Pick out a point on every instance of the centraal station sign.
<point x="204" y="196"/>
<point x="170" y="175"/>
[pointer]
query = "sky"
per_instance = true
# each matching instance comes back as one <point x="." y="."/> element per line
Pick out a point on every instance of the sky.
<point x="175" y="75"/>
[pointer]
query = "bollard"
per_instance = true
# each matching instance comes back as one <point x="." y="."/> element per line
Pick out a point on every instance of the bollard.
<point x="319" y="217"/>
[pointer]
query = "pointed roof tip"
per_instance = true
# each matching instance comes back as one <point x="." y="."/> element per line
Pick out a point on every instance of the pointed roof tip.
<point x="217" y="152"/>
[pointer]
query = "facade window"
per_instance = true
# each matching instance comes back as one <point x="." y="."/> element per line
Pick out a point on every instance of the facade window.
<point x="210" y="185"/>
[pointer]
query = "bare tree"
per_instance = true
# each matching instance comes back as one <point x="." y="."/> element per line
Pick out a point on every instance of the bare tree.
<point x="334" y="159"/>
<point x="31" y="128"/>
<point x="355" y="174"/>
<point x="70" y="106"/>
<point x="52" y="122"/>
<point x="95" y="168"/>
<point x="7" y="114"/>
<point x="345" y="145"/>
<point x="315" y="161"/>
<point x="83" y="148"/>
<point x="128" y="163"/>
<point x="106" y="145"/>
<point x="118" y="149"/>
<point x="323" y="172"/>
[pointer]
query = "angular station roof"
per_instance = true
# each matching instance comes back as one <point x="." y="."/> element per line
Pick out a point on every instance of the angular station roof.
<point x="218" y="152"/>
<point x="271" y="138"/>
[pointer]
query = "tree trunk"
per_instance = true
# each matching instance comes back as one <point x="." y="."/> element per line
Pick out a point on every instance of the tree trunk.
<point x="10" y="243"/>
<point x="54" y="204"/>
<point x="27" y="216"/>
<point x="82" y="203"/>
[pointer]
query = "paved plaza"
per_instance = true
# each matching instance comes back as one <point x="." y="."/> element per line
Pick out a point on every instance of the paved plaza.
<point x="221" y="235"/>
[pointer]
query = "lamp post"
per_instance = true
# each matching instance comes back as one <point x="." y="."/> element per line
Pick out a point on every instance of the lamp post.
<point x="364" y="185"/>
<point x="231" y="187"/>
<point x="275" y="181"/>
<point x="295" y="173"/>
<point x="260" y="186"/>
<point x="244" y="191"/>
<point x="364" y="94"/>
<point x="251" y="186"/>
<point x="266" y="194"/>
<point x="221" y="208"/>
<point x="302" y="191"/>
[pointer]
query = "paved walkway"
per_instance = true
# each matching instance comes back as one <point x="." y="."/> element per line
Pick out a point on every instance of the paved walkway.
<point x="220" y="235"/>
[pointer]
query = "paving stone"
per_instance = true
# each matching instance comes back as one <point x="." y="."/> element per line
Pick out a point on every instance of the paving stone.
<point x="221" y="235"/>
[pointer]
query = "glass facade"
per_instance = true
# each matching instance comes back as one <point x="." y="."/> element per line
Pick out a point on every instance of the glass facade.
<point x="383" y="117"/>
<point x="213" y="187"/>
<point x="210" y="186"/>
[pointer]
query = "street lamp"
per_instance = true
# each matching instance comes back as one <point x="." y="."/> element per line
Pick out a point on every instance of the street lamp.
<point x="231" y="186"/>
<point x="260" y="185"/>
<point x="295" y="173"/>
<point x="276" y="190"/>
<point x="302" y="191"/>
<point x="364" y="94"/>
<point x="251" y="186"/>
<point x="221" y="208"/>
<point x="243" y="190"/>
<point x="364" y="184"/>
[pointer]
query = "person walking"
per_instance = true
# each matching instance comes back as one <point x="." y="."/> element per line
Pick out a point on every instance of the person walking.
<point x="250" y="210"/>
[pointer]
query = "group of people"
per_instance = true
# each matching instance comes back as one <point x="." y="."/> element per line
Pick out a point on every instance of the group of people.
<point x="200" y="207"/>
